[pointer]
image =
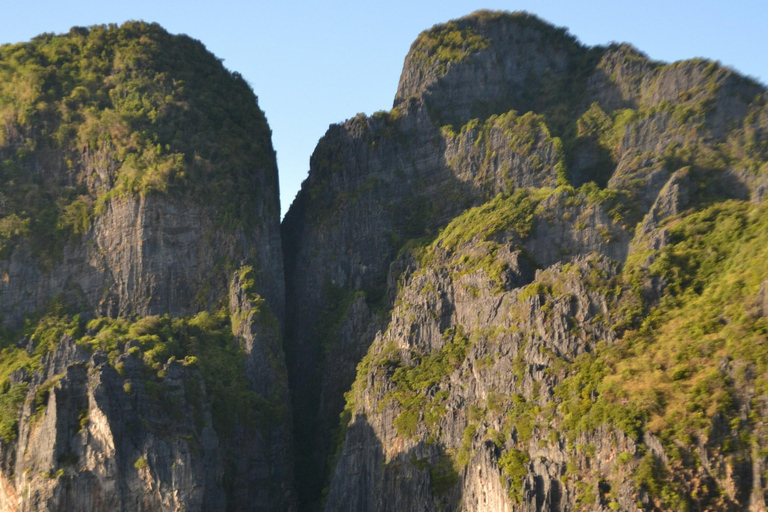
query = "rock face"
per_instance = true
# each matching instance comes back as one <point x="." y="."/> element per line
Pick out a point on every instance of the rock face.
<point x="513" y="61"/>
<point x="375" y="183"/>
<point x="119" y="213"/>
<point x="446" y="241"/>
<point x="144" y="256"/>
<point x="96" y="446"/>
<point x="539" y="282"/>
<point x="182" y="403"/>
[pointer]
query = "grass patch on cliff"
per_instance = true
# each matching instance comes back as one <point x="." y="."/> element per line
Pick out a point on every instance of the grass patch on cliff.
<point x="652" y="476"/>
<point x="508" y="214"/>
<point x="471" y="241"/>
<point x="414" y="383"/>
<point x="42" y="335"/>
<point x="446" y="44"/>
<point x="716" y="271"/>
<point x="206" y="341"/>
<point x="11" y="399"/>
<point x="513" y="465"/>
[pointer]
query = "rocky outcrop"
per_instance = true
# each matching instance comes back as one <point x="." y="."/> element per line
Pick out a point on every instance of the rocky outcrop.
<point x="489" y="63"/>
<point x="105" y="440"/>
<point x="512" y="342"/>
<point x="376" y="182"/>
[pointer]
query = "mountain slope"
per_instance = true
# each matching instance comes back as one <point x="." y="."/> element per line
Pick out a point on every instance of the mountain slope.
<point x="492" y="336"/>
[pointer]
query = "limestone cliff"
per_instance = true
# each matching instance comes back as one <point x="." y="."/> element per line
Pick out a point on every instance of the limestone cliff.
<point x="538" y="282"/>
<point x="142" y="358"/>
<point x="520" y="255"/>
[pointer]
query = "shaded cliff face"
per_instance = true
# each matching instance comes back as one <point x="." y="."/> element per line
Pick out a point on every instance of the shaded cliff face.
<point x="551" y="347"/>
<point x="142" y="256"/>
<point x="141" y="296"/>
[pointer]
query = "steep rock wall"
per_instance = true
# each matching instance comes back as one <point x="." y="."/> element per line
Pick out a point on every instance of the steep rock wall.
<point x="144" y="256"/>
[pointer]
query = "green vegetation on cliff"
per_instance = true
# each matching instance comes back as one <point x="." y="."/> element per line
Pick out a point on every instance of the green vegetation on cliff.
<point x="686" y="362"/>
<point x="204" y="341"/>
<point x="44" y="333"/>
<point x="508" y="215"/>
<point x="704" y="344"/>
<point x="109" y="111"/>
<point x="448" y="43"/>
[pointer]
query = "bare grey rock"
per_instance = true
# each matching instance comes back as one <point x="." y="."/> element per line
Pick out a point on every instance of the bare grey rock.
<point x="144" y="256"/>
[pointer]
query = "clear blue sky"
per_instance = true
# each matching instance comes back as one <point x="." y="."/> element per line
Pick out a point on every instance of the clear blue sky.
<point x="316" y="63"/>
